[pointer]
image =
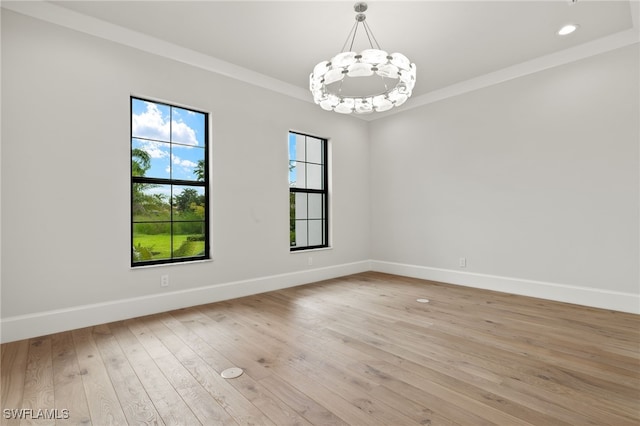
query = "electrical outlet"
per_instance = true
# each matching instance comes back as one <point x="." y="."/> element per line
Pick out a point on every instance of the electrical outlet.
<point x="164" y="281"/>
<point x="463" y="262"/>
<point x="310" y="261"/>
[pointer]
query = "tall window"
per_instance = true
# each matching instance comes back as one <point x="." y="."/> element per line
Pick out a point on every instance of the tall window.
<point x="308" y="195"/>
<point x="169" y="183"/>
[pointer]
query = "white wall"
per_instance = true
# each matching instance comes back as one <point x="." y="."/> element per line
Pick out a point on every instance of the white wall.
<point x="65" y="183"/>
<point x="534" y="181"/>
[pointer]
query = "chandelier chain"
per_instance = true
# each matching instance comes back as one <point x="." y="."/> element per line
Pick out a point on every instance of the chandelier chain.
<point x="368" y="30"/>
<point x="353" y="30"/>
<point x="354" y="37"/>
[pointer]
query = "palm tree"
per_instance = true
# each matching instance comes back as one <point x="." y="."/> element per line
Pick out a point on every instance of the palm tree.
<point x="140" y="162"/>
<point x="199" y="171"/>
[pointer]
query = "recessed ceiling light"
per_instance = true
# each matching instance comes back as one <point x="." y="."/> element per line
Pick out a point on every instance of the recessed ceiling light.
<point x="567" y="29"/>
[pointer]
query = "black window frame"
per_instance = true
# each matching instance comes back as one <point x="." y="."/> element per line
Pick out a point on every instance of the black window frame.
<point x="173" y="182"/>
<point x="324" y="191"/>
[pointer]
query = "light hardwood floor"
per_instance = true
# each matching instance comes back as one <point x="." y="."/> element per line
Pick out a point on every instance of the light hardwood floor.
<point x="357" y="350"/>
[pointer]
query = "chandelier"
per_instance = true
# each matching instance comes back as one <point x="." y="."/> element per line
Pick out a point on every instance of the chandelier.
<point x="361" y="83"/>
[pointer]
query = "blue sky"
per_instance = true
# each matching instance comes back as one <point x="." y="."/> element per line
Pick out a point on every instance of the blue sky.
<point x="292" y="155"/>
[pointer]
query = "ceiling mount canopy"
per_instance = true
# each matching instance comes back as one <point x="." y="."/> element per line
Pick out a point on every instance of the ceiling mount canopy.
<point x="364" y="82"/>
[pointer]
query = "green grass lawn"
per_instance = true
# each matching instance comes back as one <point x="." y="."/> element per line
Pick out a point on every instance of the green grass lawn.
<point x="160" y="244"/>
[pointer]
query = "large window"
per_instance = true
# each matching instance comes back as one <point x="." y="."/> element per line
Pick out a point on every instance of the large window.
<point x="169" y="183"/>
<point x="308" y="195"/>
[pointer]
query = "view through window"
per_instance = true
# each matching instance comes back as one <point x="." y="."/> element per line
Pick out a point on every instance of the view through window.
<point x="169" y="183"/>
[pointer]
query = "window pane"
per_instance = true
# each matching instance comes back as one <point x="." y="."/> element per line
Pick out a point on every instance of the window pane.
<point x="149" y="120"/>
<point x="300" y="175"/>
<point x="187" y="163"/>
<point x="188" y="239"/>
<point x="300" y="148"/>
<point x="292" y="147"/>
<point x="301" y="206"/>
<point x="301" y="233"/>
<point x="188" y="203"/>
<point x="314" y="176"/>
<point x="151" y="202"/>
<point x="315" y="232"/>
<point x="192" y="229"/>
<point x="315" y="206"/>
<point x="314" y="150"/>
<point x="150" y="159"/>
<point x="292" y="174"/>
<point x="187" y="127"/>
<point x="292" y="219"/>
<point x="151" y="241"/>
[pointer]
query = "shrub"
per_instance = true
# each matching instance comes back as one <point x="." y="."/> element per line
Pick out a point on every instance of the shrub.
<point x="188" y="248"/>
<point x="142" y="253"/>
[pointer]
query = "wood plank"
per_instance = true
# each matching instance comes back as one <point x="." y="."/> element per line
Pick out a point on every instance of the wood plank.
<point x="67" y="381"/>
<point x="232" y="401"/>
<point x="304" y="354"/>
<point x="169" y="404"/>
<point x="136" y="404"/>
<point x="203" y="405"/>
<point x="13" y="366"/>
<point x="38" y="383"/>
<point x="273" y="407"/>
<point x="300" y="403"/>
<point x="103" y="402"/>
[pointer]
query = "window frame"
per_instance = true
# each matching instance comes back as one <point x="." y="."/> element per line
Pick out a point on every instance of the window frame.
<point x="204" y="184"/>
<point x="324" y="191"/>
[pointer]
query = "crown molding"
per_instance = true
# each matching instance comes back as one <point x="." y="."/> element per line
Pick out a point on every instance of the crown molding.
<point x="76" y="21"/>
<point x="576" y="53"/>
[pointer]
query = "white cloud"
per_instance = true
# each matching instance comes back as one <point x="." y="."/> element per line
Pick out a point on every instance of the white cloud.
<point x="183" y="133"/>
<point x="184" y="163"/>
<point x="155" y="149"/>
<point x="152" y="125"/>
<point x="187" y="166"/>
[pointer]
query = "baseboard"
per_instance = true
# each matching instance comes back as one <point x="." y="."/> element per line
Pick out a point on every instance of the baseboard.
<point x="43" y="323"/>
<point x="613" y="300"/>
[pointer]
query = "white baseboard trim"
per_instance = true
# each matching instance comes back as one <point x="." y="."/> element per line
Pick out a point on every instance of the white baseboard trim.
<point x="43" y="323"/>
<point x="613" y="300"/>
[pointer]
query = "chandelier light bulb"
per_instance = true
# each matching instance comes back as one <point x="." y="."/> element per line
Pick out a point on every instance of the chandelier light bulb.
<point x="394" y="74"/>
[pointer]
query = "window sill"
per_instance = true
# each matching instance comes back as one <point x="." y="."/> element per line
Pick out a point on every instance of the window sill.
<point x="311" y="250"/>
<point x="191" y="262"/>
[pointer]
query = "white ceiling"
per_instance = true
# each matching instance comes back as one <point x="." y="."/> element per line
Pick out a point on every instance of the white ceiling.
<point x="450" y="41"/>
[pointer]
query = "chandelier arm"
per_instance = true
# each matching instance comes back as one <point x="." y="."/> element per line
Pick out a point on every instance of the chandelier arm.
<point x="353" y="31"/>
<point x="354" y="37"/>
<point x="369" y="31"/>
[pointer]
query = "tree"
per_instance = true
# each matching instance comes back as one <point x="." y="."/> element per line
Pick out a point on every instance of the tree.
<point x="183" y="201"/>
<point x="140" y="162"/>
<point x="144" y="203"/>
<point x="199" y="171"/>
